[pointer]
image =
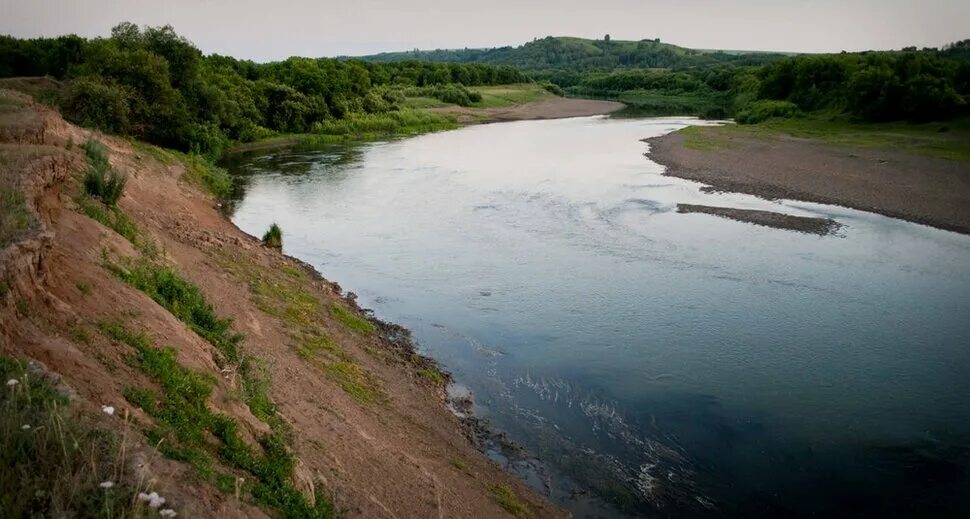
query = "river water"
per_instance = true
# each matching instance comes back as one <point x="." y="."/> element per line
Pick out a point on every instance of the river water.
<point x="657" y="363"/>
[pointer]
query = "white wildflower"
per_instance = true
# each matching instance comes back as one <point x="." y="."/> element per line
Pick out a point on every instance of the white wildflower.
<point x="107" y="484"/>
<point x="25" y="426"/>
<point x="144" y="497"/>
<point x="13" y="382"/>
<point x="107" y="409"/>
<point x="157" y="502"/>
<point x="168" y="512"/>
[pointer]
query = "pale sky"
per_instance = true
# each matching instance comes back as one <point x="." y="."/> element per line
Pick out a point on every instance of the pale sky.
<point x="267" y="30"/>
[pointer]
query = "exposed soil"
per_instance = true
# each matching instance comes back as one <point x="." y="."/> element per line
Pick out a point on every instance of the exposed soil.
<point x="549" y="108"/>
<point x="922" y="189"/>
<point x="820" y="226"/>
<point x="403" y="455"/>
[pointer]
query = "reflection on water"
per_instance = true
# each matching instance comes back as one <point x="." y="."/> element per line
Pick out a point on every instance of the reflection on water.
<point x="654" y="361"/>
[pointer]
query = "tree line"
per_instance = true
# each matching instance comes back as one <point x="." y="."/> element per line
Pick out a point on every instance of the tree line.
<point x="155" y="85"/>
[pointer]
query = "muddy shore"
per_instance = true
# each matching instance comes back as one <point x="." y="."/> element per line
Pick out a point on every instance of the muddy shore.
<point x="927" y="190"/>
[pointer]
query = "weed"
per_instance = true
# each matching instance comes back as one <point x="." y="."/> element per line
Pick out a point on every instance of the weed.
<point x="15" y="219"/>
<point x="4" y="289"/>
<point x="23" y="307"/>
<point x="273" y="237"/>
<point x="433" y="375"/>
<point x="81" y="335"/>
<point x="83" y="287"/>
<point x="101" y="180"/>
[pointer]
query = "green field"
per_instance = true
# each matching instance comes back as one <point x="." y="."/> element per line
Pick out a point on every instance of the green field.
<point x="950" y="140"/>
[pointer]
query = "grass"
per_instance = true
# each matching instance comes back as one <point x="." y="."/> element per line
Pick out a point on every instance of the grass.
<point x="419" y="102"/>
<point x="282" y="293"/>
<point x="111" y="217"/>
<point x="184" y="425"/>
<point x="352" y="320"/>
<point x="357" y="126"/>
<point x="52" y="462"/>
<point x="199" y="171"/>
<point x="509" y="95"/>
<point x="273" y="237"/>
<point x="185" y="301"/>
<point x="101" y="180"/>
<point x="83" y="287"/>
<point x="948" y="140"/>
<point x="432" y="375"/>
<point x="15" y="219"/>
<point x="510" y="502"/>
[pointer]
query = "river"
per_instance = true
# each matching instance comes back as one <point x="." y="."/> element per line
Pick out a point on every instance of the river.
<point x="655" y="362"/>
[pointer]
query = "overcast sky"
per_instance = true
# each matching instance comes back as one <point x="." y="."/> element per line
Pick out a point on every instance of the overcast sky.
<point x="266" y="29"/>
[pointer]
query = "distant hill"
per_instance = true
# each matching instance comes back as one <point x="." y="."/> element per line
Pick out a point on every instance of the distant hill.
<point x="561" y="53"/>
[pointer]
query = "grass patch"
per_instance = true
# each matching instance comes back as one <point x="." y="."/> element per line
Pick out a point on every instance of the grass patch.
<point x="15" y="219"/>
<point x="419" y="102"/>
<point x="83" y="288"/>
<point x="432" y="375"/>
<point x="199" y="170"/>
<point x="185" y="301"/>
<point x="101" y="181"/>
<point x="352" y="320"/>
<point x="51" y="462"/>
<point x="947" y="140"/>
<point x="282" y="294"/>
<point x="359" y="126"/>
<point x="185" y="424"/>
<point x="510" y="502"/>
<point x="509" y="95"/>
<point x="273" y="237"/>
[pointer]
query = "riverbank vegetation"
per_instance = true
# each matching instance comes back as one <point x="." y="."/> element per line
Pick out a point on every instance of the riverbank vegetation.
<point x="156" y="86"/>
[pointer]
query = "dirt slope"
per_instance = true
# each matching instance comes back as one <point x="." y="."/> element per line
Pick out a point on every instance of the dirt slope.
<point x="368" y="419"/>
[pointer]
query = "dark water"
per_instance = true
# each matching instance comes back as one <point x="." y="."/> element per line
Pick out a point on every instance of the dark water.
<point x="657" y="363"/>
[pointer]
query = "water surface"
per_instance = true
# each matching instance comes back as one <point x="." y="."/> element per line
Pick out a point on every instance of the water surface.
<point x="656" y="362"/>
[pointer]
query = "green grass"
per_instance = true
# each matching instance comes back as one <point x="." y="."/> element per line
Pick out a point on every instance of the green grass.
<point x="111" y="217"/>
<point x="101" y="181"/>
<point x="357" y="126"/>
<point x="510" y="502"/>
<point x="352" y="320"/>
<point x="199" y="170"/>
<point x="922" y="139"/>
<point x="184" y="424"/>
<point x="419" y="102"/>
<point x="185" y="301"/>
<point x="273" y="237"/>
<point x="432" y="375"/>
<point x="282" y="294"/>
<point x="15" y="219"/>
<point x="51" y="462"/>
<point x="509" y="95"/>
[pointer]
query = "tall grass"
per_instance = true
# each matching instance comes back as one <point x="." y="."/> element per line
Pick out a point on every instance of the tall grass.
<point x="53" y="464"/>
<point x="401" y="122"/>
<point x="101" y="180"/>
<point x="273" y="237"/>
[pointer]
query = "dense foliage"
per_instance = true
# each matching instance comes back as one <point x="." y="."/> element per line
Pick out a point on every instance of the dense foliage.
<point x="577" y="54"/>
<point x="157" y="86"/>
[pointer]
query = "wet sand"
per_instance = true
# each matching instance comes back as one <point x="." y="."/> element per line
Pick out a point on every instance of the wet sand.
<point x="928" y="190"/>
<point x="819" y="226"/>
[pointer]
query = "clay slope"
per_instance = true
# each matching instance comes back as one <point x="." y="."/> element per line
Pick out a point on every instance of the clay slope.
<point x="365" y="416"/>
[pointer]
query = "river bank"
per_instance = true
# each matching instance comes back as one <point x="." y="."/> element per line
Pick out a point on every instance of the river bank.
<point x="918" y="188"/>
<point x="363" y="419"/>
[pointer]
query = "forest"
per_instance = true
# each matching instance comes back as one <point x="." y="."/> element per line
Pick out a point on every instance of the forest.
<point x="155" y="85"/>
<point x="663" y="79"/>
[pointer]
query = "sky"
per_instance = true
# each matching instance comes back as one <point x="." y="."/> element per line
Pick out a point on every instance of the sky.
<point x="267" y="30"/>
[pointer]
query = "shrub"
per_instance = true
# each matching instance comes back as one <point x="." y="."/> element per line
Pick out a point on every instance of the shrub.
<point x="552" y="88"/>
<point x="763" y="110"/>
<point x="273" y="237"/>
<point x="91" y="102"/>
<point x="101" y="180"/>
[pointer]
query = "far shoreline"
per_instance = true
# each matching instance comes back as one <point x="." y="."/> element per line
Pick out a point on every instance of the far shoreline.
<point x="921" y="189"/>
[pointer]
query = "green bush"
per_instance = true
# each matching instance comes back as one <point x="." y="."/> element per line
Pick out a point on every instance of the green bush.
<point x="101" y="180"/>
<point x="552" y="88"/>
<point x="273" y="237"/>
<point x="763" y="110"/>
<point x="93" y="103"/>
